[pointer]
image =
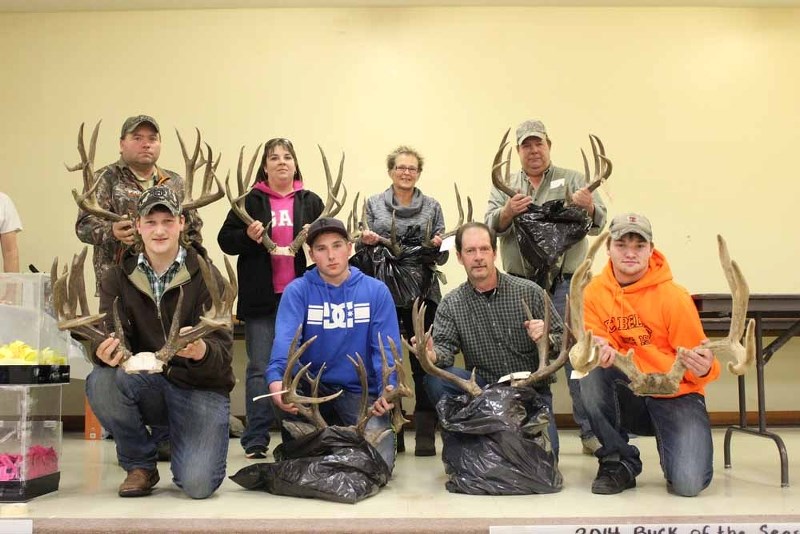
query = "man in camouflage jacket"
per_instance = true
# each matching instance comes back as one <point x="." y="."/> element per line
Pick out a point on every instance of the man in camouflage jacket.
<point x="121" y="184"/>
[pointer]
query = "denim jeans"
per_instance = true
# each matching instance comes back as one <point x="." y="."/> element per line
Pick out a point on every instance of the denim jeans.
<point x="559" y="294"/>
<point x="259" y="332"/>
<point x="680" y="425"/>
<point x="103" y="382"/>
<point x="438" y="388"/>
<point x="344" y="410"/>
<point x="198" y="421"/>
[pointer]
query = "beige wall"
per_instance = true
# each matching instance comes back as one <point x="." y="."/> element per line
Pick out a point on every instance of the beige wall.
<point x="697" y="107"/>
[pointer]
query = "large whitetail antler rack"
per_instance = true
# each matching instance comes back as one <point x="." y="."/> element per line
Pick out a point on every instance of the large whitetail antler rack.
<point x="602" y="165"/>
<point x="584" y="356"/>
<point x="87" y="200"/>
<point x="69" y="292"/>
<point x="308" y="407"/>
<point x="741" y="355"/>
<point x="194" y="162"/>
<point x="420" y="350"/>
<point x="217" y="317"/>
<point x="546" y="368"/>
<point x="336" y="197"/>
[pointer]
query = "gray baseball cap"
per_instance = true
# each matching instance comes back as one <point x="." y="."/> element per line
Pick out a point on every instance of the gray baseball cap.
<point x="131" y="123"/>
<point x="631" y="223"/>
<point x="324" y="225"/>
<point x="531" y="128"/>
<point x="159" y="195"/>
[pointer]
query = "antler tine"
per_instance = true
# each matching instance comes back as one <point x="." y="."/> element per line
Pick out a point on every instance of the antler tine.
<point x="364" y="414"/>
<point x="420" y="351"/>
<point x="190" y="161"/>
<point x="79" y="286"/>
<point x="460" y="207"/>
<point x="233" y="287"/>
<point x="353" y="224"/>
<point x="207" y="196"/>
<point x="290" y="384"/>
<point x="546" y="369"/>
<point x="119" y="332"/>
<point x="602" y="165"/>
<point x="741" y="355"/>
<point x="497" y="180"/>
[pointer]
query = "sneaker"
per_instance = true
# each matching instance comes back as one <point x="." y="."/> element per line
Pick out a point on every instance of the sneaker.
<point x="612" y="478"/>
<point x="256" y="452"/>
<point x="590" y="445"/>
<point x="139" y="482"/>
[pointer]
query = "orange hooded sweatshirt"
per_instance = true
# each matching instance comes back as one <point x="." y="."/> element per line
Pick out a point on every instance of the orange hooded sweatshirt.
<point x="653" y="316"/>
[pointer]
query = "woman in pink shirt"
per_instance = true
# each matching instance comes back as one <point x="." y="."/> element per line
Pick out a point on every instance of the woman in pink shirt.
<point x="278" y="203"/>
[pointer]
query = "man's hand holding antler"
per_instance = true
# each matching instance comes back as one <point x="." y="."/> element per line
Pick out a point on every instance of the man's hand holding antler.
<point x="429" y="349"/>
<point x="606" y="351"/>
<point x="381" y="406"/>
<point x="275" y="389"/>
<point x="123" y="231"/>
<point x="107" y="351"/>
<point x="535" y="328"/>
<point x="583" y="199"/>
<point x="698" y="360"/>
<point x="196" y="350"/>
<point x="514" y="206"/>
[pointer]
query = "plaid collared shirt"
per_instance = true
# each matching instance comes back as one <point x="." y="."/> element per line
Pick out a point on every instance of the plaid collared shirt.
<point x="489" y="330"/>
<point x="159" y="283"/>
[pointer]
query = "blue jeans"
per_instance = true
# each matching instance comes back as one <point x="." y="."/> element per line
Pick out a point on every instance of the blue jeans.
<point x="438" y="388"/>
<point x="259" y="332"/>
<point x="560" y="292"/>
<point x="103" y="382"/>
<point x="680" y="425"/>
<point x="198" y="422"/>
<point x="344" y="410"/>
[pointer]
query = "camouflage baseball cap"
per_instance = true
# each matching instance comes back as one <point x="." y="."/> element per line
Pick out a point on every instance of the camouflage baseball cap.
<point x="631" y="223"/>
<point x="159" y="195"/>
<point x="531" y="129"/>
<point x="131" y="123"/>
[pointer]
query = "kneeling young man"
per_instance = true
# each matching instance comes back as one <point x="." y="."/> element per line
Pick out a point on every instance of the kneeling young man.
<point x="634" y="304"/>
<point x="346" y="311"/>
<point x="192" y="392"/>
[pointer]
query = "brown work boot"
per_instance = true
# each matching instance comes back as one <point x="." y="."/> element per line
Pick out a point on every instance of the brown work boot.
<point x="139" y="482"/>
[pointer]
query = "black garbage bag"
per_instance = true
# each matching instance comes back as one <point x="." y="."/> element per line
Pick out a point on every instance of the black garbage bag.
<point x="545" y="232"/>
<point x="497" y="443"/>
<point x="333" y="464"/>
<point x="409" y="275"/>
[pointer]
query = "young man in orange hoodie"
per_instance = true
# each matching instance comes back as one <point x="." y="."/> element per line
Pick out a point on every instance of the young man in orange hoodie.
<point x="635" y="304"/>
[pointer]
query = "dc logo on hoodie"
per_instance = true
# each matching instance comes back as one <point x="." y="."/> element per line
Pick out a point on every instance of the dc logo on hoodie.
<point x="332" y="316"/>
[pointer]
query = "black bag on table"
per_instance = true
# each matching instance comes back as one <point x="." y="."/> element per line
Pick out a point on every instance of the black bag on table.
<point x="545" y="232"/>
<point x="498" y="443"/>
<point x="332" y="464"/>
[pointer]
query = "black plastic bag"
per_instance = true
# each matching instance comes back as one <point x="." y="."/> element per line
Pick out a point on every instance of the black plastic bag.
<point x="497" y="443"/>
<point x="545" y="232"/>
<point x="333" y="464"/>
<point x="409" y="275"/>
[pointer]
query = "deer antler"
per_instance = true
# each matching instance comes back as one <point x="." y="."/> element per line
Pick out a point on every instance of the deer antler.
<point x="584" y="355"/>
<point x="306" y="406"/>
<point x="209" y="175"/>
<point x="546" y="369"/>
<point x="460" y="207"/>
<point x="420" y="350"/>
<point x="731" y="346"/>
<point x="499" y="182"/>
<point x="87" y="200"/>
<point x="69" y="291"/>
<point x="602" y="165"/>
<point x="216" y="318"/>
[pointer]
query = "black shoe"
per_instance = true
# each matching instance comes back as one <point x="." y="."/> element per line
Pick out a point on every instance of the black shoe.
<point x="425" y="423"/>
<point x="401" y="442"/>
<point x="256" y="452"/>
<point x="164" y="451"/>
<point x="612" y="478"/>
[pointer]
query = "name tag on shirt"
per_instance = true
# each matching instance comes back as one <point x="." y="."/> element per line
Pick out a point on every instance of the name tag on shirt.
<point x="557" y="183"/>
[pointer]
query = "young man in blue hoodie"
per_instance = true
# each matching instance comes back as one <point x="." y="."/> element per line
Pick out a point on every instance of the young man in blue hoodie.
<point x="347" y="311"/>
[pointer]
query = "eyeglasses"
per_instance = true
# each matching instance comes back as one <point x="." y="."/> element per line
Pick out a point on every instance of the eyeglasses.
<point x="402" y="168"/>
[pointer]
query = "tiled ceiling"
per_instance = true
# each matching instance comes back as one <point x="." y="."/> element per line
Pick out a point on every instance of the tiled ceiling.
<point x="126" y="5"/>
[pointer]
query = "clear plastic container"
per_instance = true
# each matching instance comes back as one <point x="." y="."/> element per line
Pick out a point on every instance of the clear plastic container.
<point x="30" y="441"/>
<point x="29" y="333"/>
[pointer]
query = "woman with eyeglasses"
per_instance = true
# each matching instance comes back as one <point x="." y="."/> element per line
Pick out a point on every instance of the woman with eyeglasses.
<point x="279" y="205"/>
<point x="412" y="212"/>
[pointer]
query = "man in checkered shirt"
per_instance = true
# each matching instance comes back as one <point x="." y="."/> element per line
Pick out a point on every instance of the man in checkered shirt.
<point x="485" y="320"/>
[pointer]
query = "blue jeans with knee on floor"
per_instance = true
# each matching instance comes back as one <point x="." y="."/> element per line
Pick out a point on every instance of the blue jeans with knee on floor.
<point x="259" y="333"/>
<point x="198" y="422"/>
<point x="680" y="425"/>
